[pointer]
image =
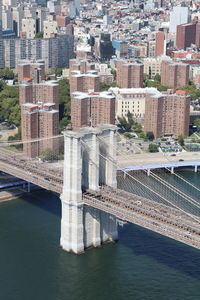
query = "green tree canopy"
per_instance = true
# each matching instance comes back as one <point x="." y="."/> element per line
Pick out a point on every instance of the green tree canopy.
<point x="64" y="103"/>
<point x="197" y="123"/>
<point x="181" y="140"/>
<point x="157" y="78"/>
<point x="153" y="148"/>
<point x="48" y="155"/>
<point x="150" y="135"/>
<point x="6" y="74"/>
<point x="9" y="105"/>
<point x="192" y="91"/>
<point x="104" y="87"/>
<point x="39" y="35"/>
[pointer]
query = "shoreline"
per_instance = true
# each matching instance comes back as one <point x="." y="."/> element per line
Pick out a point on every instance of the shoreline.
<point x="14" y="193"/>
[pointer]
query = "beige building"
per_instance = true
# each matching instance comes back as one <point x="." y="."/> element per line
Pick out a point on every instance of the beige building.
<point x="50" y="28"/>
<point x="152" y="65"/>
<point x="151" y="48"/>
<point x="132" y="100"/>
<point x="28" y="28"/>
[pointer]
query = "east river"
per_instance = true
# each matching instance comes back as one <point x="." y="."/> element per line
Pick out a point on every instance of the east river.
<point x="142" y="266"/>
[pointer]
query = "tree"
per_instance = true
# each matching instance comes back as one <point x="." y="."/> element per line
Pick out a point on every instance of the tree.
<point x="142" y="135"/>
<point x="114" y="73"/>
<point x="153" y="148"/>
<point x="181" y="140"/>
<point x="63" y="123"/>
<point x="39" y="35"/>
<point x="150" y="135"/>
<point x="48" y="155"/>
<point x="6" y="74"/>
<point x="128" y="135"/>
<point x="64" y="102"/>
<point x="157" y="85"/>
<point x="9" y="105"/>
<point x="58" y="72"/>
<point x="197" y="123"/>
<point x="192" y="91"/>
<point x="104" y="87"/>
<point x="126" y="125"/>
<point x="157" y="78"/>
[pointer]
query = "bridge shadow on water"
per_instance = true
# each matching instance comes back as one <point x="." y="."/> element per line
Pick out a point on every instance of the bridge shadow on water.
<point x="164" y="250"/>
<point x="45" y="200"/>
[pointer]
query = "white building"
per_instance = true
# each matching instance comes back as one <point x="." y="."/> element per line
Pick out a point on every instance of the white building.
<point x="179" y="15"/>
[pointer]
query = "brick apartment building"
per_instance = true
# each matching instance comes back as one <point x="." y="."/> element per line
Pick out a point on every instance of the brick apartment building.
<point x="39" y="109"/>
<point x="34" y="70"/>
<point x="82" y="65"/>
<point x="84" y="82"/>
<point x="188" y="34"/>
<point x="174" y="74"/>
<point x="167" y="114"/>
<point x="38" y="122"/>
<point x="91" y="109"/>
<point x="44" y="92"/>
<point x="129" y="75"/>
<point x="160" y="44"/>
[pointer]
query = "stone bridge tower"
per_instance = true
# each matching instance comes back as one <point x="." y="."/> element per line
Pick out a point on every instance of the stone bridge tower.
<point x="88" y="163"/>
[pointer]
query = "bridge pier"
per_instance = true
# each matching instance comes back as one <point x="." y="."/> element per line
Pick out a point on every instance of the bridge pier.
<point x="83" y="226"/>
<point x="72" y="204"/>
<point x="195" y="168"/>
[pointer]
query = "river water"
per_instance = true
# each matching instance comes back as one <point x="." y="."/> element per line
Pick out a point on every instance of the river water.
<point x="142" y="266"/>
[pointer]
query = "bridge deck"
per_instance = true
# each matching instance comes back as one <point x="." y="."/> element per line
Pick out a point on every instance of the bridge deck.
<point x="128" y="207"/>
<point x="146" y="213"/>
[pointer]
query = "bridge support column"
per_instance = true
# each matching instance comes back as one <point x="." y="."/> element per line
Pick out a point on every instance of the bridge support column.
<point x="172" y="170"/>
<point x="83" y="226"/>
<point x="90" y="180"/>
<point x="195" y="168"/>
<point x="109" y="225"/>
<point x="148" y="172"/>
<point x="72" y="204"/>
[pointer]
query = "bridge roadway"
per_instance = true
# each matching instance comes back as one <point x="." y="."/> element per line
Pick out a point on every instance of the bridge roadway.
<point x="157" y="160"/>
<point x="125" y="206"/>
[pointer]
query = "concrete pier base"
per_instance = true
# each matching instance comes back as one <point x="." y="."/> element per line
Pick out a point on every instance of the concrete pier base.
<point x="72" y="228"/>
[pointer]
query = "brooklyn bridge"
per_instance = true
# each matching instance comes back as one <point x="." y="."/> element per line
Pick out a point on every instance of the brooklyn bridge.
<point x="92" y="202"/>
